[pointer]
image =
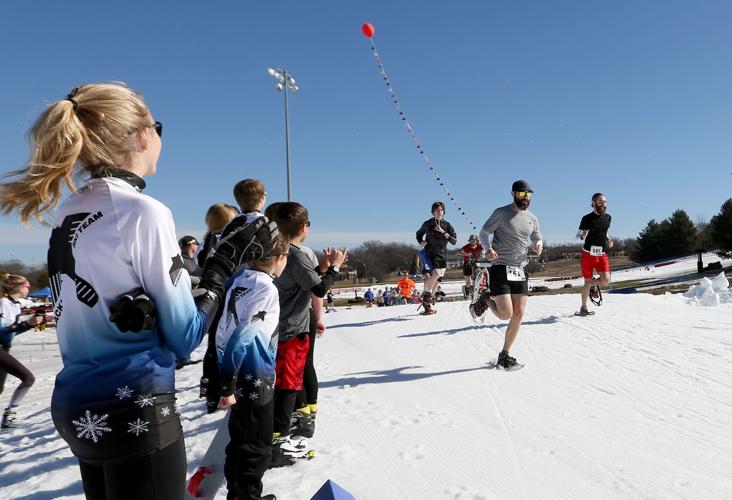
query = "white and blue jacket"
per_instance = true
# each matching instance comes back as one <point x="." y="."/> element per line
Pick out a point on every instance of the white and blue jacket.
<point x="114" y="397"/>
<point x="246" y="337"/>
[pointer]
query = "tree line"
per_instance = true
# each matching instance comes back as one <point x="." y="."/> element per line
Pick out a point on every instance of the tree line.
<point x="678" y="235"/>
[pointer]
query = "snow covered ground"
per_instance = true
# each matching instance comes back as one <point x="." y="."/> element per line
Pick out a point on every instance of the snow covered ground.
<point x="633" y="402"/>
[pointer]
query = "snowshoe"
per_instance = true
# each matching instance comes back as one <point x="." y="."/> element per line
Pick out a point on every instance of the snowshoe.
<point x="427" y="301"/>
<point x="288" y="451"/>
<point x="584" y="312"/>
<point x="478" y="308"/>
<point x="596" y="295"/>
<point x="8" y="419"/>
<point x="507" y="363"/>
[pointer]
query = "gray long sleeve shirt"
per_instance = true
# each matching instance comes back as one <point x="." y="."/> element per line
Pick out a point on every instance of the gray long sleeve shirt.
<point x="513" y="231"/>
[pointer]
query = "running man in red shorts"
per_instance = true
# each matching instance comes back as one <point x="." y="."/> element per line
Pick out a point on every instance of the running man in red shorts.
<point x="593" y="230"/>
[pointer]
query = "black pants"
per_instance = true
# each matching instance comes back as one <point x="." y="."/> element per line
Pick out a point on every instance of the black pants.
<point x="284" y="405"/>
<point x="211" y="372"/>
<point x="161" y="475"/>
<point x="249" y="452"/>
<point x="211" y="366"/>
<point x="309" y="393"/>
<point x="8" y="364"/>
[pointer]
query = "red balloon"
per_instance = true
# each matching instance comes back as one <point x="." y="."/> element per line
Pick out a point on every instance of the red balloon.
<point x="368" y="29"/>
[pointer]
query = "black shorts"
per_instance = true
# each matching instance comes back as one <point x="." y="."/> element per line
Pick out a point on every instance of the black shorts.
<point x="467" y="269"/>
<point x="438" y="261"/>
<point x="500" y="285"/>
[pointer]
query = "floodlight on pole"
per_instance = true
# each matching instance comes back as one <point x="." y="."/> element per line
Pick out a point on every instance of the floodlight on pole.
<point x="285" y="82"/>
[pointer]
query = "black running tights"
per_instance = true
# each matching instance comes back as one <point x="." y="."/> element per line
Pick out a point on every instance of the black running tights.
<point x="8" y="364"/>
<point x="161" y="475"/>
<point x="309" y="393"/>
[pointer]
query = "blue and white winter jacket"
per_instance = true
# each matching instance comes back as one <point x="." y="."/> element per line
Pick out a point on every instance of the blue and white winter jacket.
<point x="246" y="337"/>
<point x="114" y="397"/>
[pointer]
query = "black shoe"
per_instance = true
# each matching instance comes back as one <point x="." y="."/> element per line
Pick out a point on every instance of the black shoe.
<point x="505" y="361"/>
<point x="8" y="419"/>
<point x="302" y="424"/>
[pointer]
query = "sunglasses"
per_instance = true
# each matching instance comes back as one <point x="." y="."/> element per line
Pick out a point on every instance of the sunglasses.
<point x="525" y="194"/>
<point x="307" y="223"/>
<point x="158" y="128"/>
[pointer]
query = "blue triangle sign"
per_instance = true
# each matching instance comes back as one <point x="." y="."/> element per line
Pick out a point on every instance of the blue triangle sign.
<point x="331" y="491"/>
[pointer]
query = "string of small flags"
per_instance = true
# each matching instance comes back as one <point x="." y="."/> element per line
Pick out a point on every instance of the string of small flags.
<point x="368" y="30"/>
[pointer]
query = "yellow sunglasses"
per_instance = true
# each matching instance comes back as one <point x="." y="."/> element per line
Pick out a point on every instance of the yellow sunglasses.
<point x="524" y="194"/>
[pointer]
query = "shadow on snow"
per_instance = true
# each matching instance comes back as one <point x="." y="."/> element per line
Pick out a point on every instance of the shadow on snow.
<point x="389" y="376"/>
<point x="544" y="321"/>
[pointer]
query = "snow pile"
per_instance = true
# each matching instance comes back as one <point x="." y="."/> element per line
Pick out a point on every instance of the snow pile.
<point x="710" y="292"/>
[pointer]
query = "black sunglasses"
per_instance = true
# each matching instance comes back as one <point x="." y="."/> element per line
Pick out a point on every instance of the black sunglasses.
<point x="158" y="128"/>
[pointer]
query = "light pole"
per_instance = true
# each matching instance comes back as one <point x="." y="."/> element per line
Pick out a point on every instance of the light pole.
<point x="285" y="82"/>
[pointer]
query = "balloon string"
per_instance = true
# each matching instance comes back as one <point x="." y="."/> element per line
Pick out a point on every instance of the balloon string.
<point x="398" y="107"/>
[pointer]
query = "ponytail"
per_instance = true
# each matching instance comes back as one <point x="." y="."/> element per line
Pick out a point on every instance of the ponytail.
<point x="90" y="129"/>
<point x="10" y="283"/>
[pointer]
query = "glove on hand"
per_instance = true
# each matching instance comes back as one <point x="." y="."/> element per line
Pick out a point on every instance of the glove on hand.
<point x="133" y="311"/>
<point x="236" y="245"/>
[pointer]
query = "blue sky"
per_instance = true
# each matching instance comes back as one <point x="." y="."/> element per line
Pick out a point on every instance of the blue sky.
<point x="629" y="98"/>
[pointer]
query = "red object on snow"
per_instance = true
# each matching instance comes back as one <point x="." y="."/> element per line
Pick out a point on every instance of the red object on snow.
<point x="194" y="484"/>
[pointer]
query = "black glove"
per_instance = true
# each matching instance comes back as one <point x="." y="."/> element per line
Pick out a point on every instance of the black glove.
<point x="233" y="249"/>
<point x="133" y="311"/>
<point x="239" y="242"/>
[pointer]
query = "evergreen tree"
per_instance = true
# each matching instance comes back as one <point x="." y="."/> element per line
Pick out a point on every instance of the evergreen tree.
<point x="649" y="242"/>
<point x="679" y="235"/>
<point x="721" y="228"/>
<point x="704" y="234"/>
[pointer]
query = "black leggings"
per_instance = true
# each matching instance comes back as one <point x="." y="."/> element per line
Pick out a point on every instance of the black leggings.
<point x="309" y="393"/>
<point x="8" y="364"/>
<point x="161" y="475"/>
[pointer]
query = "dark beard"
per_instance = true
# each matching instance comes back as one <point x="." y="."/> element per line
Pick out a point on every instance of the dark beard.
<point x="601" y="210"/>
<point x="521" y="203"/>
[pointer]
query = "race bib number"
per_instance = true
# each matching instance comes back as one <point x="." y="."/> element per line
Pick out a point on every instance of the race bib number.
<point x="514" y="273"/>
<point x="596" y="251"/>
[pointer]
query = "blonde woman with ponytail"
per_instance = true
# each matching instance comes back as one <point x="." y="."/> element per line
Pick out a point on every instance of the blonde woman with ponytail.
<point x="122" y="299"/>
<point x="12" y="289"/>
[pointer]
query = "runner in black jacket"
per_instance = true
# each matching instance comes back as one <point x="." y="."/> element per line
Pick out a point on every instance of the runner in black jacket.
<point x="433" y="236"/>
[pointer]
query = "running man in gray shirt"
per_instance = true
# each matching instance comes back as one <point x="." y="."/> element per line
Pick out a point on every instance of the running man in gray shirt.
<point x="507" y="236"/>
